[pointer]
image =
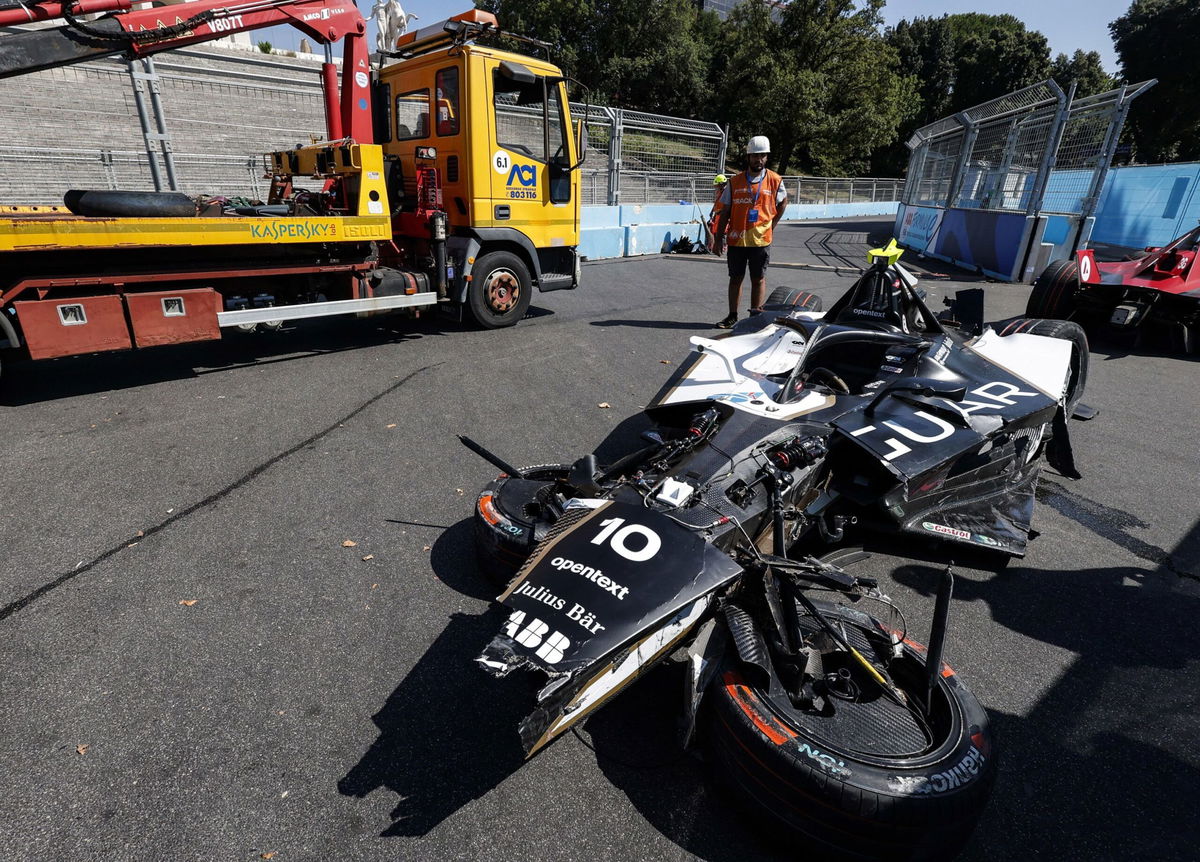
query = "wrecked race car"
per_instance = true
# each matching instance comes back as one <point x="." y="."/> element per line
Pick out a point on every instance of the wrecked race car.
<point x="711" y="543"/>
<point x="1157" y="290"/>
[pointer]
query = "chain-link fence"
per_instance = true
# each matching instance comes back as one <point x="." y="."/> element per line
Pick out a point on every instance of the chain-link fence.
<point x="221" y="109"/>
<point x="1005" y="185"/>
<point x="1033" y="150"/>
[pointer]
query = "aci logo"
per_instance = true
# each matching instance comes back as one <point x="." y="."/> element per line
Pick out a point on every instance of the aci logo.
<point x="526" y="175"/>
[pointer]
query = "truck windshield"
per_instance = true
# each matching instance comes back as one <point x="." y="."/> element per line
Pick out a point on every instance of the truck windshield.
<point x="529" y="118"/>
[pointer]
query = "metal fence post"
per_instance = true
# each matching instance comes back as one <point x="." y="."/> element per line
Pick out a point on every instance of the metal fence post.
<point x="1052" y="144"/>
<point x="724" y="149"/>
<point x="1111" y="139"/>
<point x="964" y="156"/>
<point x="614" y="158"/>
<point x="164" y="138"/>
<point x="106" y="165"/>
<point x="139" y="101"/>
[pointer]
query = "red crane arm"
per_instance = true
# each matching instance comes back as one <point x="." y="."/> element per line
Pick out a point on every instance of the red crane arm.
<point x="142" y="32"/>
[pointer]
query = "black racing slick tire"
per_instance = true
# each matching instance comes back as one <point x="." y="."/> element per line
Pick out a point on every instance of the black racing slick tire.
<point x="792" y="299"/>
<point x="506" y="522"/>
<point x="811" y="773"/>
<point x="1067" y="331"/>
<point x="1054" y="292"/>
<point x="500" y="290"/>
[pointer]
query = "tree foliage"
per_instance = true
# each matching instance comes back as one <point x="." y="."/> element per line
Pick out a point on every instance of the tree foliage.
<point x="1083" y="68"/>
<point x="835" y="92"/>
<point x="820" y="82"/>
<point x="1158" y="39"/>
<point x="994" y="55"/>
<point x="653" y="55"/>
<point x="960" y="61"/>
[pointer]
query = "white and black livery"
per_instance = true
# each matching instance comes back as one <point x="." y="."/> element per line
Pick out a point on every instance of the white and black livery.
<point x="767" y="444"/>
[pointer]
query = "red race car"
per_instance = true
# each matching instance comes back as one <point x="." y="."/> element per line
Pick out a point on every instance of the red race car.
<point x="1160" y="289"/>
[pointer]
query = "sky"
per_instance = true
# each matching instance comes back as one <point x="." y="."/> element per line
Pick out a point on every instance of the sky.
<point x="1067" y="24"/>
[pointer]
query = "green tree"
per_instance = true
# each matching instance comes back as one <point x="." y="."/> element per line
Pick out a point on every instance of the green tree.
<point x="652" y="55"/>
<point x="925" y="48"/>
<point x="1084" y="68"/>
<point x="962" y="60"/>
<point x="995" y="55"/>
<point x="822" y="83"/>
<point x="1158" y="39"/>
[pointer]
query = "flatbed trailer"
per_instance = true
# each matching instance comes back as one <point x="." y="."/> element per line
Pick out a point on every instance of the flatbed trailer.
<point x="114" y="270"/>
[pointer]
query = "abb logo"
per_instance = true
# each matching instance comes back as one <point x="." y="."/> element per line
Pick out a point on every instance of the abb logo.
<point x="536" y="634"/>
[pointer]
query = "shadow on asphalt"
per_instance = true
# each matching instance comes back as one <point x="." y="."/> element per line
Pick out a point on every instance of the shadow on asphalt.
<point x="655" y="324"/>
<point x="1119" y="347"/>
<point x="452" y="559"/>
<point x="637" y="739"/>
<point x="433" y="751"/>
<point x="1077" y="783"/>
<point x="31" y="382"/>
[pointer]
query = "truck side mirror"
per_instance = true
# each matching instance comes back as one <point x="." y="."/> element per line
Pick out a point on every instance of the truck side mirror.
<point x="516" y="72"/>
<point x="581" y="141"/>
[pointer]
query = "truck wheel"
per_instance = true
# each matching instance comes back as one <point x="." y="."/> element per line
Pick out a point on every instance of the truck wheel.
<point x="864" y="778"/>
<point x="500" y="290"/>
<point x="1054" y="291"/>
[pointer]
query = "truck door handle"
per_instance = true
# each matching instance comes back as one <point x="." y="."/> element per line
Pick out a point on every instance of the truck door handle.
<point x="502" y="212"/>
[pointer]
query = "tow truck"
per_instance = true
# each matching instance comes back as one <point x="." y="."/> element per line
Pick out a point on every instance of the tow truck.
<point x="448" y="179"/>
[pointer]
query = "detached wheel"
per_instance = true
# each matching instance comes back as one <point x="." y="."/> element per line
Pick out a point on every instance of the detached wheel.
<point x="1054" y="292"/>
<point x="792" y="298"/>
<point x="1067" y="331"/>
<point x="507" y="522"/>
<point x="867" y="779"/>
<point x="500" y="290"/>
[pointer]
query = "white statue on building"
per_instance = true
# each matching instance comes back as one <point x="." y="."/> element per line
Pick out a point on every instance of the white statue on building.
<point x="391" y="22"/>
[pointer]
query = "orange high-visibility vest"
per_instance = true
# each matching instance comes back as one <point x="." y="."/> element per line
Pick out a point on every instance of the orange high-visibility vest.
<point x="745" y="196"/>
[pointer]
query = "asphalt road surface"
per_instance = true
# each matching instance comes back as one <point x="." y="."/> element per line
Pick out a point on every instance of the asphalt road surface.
<point x="196" y="664"/>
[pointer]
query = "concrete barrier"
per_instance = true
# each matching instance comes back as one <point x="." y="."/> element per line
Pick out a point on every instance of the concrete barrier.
<point x="631" y="230"/>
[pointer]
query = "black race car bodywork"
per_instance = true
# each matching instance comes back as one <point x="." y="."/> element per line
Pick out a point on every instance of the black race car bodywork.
<point x="764" y="443"/>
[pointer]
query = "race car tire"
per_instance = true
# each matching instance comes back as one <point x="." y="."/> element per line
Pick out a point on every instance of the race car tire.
<point x="792" y="298"/>
<point x="503" y="543"/>
<point x="843" y="804"/>
<point x="1053" y="294"/>
<point x="500" y="290"/>
<point x="1067" y="331"/>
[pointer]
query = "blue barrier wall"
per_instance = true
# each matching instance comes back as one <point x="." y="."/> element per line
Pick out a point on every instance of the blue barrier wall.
<point x="626" y="231"/>
<point x="1148" y="205"/>
<point x="984" y="240"/>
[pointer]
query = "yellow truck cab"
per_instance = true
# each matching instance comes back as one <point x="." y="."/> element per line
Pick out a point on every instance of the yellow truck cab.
<point x="497" y="127"/>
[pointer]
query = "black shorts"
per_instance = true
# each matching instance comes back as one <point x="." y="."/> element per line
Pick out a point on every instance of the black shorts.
<point x="740" y="256"/>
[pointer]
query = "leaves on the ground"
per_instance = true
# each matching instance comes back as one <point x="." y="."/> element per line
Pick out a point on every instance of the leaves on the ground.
<point x="393" y="425"/>
<point x="604" y="405"/>
<point x="349" y="543"/>
<point x="368" y="557"/>
<point x="188" y="602"/>
<point x="82" y="748"/>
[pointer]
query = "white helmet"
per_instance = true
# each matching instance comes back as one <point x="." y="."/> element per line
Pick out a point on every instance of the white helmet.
<point x="758" y="144"/>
